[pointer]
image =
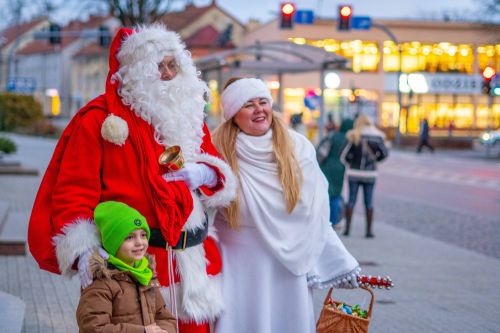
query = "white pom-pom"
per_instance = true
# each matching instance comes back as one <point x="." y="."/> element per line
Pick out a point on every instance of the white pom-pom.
<point x="115" y="130"/>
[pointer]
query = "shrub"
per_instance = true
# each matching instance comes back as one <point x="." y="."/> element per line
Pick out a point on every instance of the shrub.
<point x="18" y="111"/>
<point x="43" y="127"/>
<point x="7" y="146"/>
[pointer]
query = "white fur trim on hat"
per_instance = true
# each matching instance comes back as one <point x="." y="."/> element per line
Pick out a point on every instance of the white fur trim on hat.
<point x="150" y="42"/>
<point x="241" y="91"/>
<point x="115" y="130"/>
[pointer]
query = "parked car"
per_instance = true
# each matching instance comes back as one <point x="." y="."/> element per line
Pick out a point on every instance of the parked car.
<point x="490" y="138"/>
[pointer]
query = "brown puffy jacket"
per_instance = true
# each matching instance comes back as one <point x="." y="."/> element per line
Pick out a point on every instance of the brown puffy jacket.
<point x="116" y="302"/>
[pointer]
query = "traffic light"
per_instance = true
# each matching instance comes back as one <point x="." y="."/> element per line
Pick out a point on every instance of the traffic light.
<point x="287" y="13"/>
<point x="488" y="75"/>
<point x="55" y="34"/>
<point x="345" y="15"/>
<point x="104" y="36"/>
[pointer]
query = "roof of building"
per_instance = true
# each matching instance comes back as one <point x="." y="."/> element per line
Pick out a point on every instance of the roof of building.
<point x="9" y="34"/>
<point x="181" y="19"/>
<point x="206" y="37"/>
<point x="177" y="21"/>
<point x="43" y="46"/>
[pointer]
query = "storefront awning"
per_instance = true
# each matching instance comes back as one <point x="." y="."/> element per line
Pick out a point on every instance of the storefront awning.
<point x="279" y="57"/>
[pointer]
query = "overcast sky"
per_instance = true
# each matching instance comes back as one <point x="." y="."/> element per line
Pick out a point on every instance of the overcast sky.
<point x="267" y="9"/>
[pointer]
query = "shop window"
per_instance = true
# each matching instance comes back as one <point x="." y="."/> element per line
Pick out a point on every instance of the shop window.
<point x="439" y="115"/>
<point x="364" y="55"/>
<point x="389" y="114"/>
<point x="486" y="117"/>
<point x="488" y="55"/>
<point x="419" y="57"/>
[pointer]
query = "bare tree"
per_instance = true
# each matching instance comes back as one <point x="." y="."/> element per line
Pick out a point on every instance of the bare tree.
<point x="133" y="12"/>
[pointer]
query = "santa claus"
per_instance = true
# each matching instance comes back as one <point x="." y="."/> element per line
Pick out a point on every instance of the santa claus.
<point x="110" y="151"/>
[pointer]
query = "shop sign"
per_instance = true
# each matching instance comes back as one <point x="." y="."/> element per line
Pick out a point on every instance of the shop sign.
<point x="460" y="84"/>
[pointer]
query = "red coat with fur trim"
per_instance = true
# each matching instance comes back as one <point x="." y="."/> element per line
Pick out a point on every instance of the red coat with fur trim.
<point x="107" y="153"/>
<point x="93" y="170"/>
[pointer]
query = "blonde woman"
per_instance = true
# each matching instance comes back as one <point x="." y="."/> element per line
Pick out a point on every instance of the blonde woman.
<point x="364" y="149"/>
<point x="276" y="240"/>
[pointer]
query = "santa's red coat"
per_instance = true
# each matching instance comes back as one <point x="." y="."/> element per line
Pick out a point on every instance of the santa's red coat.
<point x="87" y="169"/>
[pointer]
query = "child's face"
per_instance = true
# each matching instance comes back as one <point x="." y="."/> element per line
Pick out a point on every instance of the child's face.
<point x="133" y="247"/>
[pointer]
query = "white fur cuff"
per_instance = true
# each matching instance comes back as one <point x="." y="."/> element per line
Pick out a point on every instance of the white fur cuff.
<point x="223" y="197"/>
<point x="241" y="91"/>
<point x="77" y="237"/>
<point x="204" y="307"/>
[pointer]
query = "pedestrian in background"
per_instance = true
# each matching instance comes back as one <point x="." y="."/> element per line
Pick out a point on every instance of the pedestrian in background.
<point x="125" y="294"/>
<point x="424" y="136"/>
<point x="364" y="149"/>
<point x="328" y="155"/>
<point x="275" y="238"/>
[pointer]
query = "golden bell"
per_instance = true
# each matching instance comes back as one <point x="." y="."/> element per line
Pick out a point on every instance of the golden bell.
<point x="172" y="158"/>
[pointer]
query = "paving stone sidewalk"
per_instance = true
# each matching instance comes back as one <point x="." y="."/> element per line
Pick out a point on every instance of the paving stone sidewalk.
<point x="439" y="287"/>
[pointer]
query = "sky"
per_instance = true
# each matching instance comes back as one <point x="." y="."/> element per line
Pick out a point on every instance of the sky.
<point x="265" y="10"/>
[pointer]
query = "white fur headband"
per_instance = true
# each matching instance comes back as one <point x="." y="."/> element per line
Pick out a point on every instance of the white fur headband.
<point x="241" y="91"/>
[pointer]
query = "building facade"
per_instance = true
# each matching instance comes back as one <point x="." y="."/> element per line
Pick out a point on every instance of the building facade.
<point x="50" y="65"/>
<point x="441" y="64"/>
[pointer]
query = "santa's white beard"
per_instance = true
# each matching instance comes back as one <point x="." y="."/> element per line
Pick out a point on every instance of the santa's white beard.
<point x="174" y="108"/>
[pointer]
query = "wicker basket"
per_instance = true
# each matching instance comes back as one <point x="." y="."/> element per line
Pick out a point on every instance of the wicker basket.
<point x="332" y="320"/>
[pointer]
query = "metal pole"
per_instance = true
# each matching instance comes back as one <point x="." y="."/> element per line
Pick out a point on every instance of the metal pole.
<point x="280" y="93"/>
<point x="400" y="97"/>
<point x="321" y="125"/>
<point x="400" y="70"/>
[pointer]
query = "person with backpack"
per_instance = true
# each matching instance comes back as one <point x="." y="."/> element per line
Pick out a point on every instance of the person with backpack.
<point x="364" y="149"/>
<point x="328" y="155"/>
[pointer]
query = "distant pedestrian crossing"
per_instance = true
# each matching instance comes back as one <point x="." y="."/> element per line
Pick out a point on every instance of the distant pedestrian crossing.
<point x="405" y="169"/>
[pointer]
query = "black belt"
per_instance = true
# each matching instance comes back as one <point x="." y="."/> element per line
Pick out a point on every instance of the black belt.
<point x="187" y="238"/>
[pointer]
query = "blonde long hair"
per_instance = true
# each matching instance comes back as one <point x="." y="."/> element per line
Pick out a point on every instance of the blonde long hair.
<point x="361" y="122"/>
<point x="289" y="171"/>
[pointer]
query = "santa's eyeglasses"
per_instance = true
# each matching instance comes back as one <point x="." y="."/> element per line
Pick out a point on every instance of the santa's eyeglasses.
<point x="168" y="65"/>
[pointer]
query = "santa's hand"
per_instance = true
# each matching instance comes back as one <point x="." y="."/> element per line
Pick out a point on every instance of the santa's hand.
<point x="194" y="175"/>
<point x="84" y="268"/>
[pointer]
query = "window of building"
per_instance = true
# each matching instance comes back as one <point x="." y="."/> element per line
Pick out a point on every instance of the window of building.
<point x="364" y="55"/>
<point x="488" y="55"/>
<point x="421" y="57"/>
<point x="440" y="115"/>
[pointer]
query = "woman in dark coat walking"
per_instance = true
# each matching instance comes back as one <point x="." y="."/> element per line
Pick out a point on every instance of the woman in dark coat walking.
<point x="364" y="149"/>
<point x="328" y="154"/>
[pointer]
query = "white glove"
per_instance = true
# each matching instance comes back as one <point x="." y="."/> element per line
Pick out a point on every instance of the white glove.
<point x="84" y="268"/>
<point x="194" y="175"/>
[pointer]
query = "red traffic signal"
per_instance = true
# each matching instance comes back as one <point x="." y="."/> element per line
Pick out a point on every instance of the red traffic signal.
<point x="287" y="13"/>
<point x="345" y="15"/>
<point x="489" y="73"/>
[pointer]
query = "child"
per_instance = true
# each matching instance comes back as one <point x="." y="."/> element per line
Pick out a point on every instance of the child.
<point x="125" y="296"/>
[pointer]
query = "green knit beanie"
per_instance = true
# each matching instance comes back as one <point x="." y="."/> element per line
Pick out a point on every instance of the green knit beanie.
<point x="115" y="221"/>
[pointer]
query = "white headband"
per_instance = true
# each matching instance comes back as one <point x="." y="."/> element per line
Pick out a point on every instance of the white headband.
<point x="241" y="91"/>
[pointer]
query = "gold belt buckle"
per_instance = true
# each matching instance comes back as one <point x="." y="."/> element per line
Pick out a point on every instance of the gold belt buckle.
<point x="184" y="241"/>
